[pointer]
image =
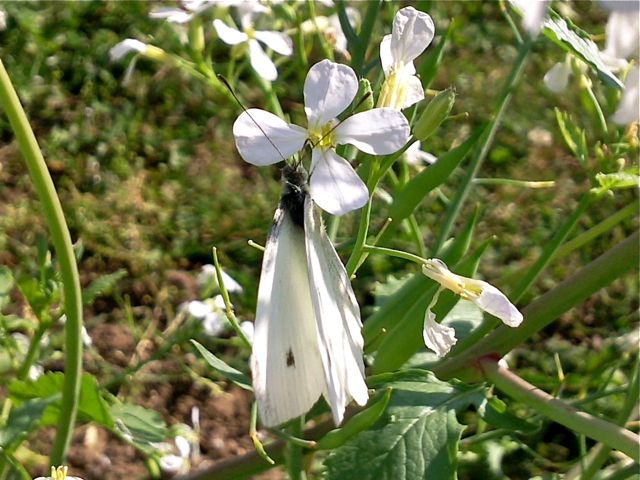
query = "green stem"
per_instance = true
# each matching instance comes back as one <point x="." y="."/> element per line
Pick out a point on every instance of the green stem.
<point x="363" y="229"/>
<point x="558" y="411"/>
<point x="293" y="455"/>
<point x="545" y="309"/>
<point x="395" y="253"/>
<point x="599" y="454"/>
<point x="485" y="145"/>
<point x="32" y="353"/>
<point x="66" y="260"/>
<point x="597" y="230"/>
<point x="227" y="302"/>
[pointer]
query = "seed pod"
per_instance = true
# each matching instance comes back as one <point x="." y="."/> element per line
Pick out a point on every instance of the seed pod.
<point x="434" y="114"/>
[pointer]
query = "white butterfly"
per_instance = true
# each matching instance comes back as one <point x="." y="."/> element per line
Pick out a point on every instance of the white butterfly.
<point x="307" y="339"/>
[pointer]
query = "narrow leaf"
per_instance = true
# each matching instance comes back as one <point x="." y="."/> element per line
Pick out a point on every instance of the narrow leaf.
<point x="236" y="376"/>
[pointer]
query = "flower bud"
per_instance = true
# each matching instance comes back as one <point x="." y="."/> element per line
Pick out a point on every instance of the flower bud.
<point x="196" y="35"/>
<point x="364" y="97"/>
<point x="434" y="114"/>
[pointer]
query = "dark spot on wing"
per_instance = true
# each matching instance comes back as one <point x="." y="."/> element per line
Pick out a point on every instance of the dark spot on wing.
<point x="291" y="362"/>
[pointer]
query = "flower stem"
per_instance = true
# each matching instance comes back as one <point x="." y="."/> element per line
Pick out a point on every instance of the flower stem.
<point x="558" y="411"/>
<point x="484" y="145"/>
<point x="61" y="239"/>
<point x="293" y="455"/>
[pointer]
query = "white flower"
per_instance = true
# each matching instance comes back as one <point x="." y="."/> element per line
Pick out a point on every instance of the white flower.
<point x="557" y="78"/>
<point x="485" y="296"/>
<point x="59" y="473"/>
<point x="332" y="30"/>
<point x="119" y="50"/>
<point x="186" y="14"/>
<point x="412" y="33"/>
<point x="248" y="329"/>
<point x="622" y="34"/>
<point x="210" y="313"/>
<point x="629" y="107"/>
<point x="328" y="90"/>
<point x="276" y="41"/>
<point x="209" y="271"/>
<point x="534" y="13"/>
<point x="415" y="156"/>
<point x="3" y="19"/>
<point x="188" y="446"/>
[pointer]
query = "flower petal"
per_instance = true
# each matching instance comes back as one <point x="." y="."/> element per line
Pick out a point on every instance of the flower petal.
<point x="227" y="34"/>
<point x="379" y="131"/>
<point x="437" y="337"/>
<point x="412" y="33"/>
<point x="628" y="109"/>
<point x="534" y="13"/>
<point x="493" y="301"/>
<point x="414" y="155"/>
<point x="412" y="91"/>
<point x="261" y="62"/>
<point x="622" y="33"/>
<point x="276" y="41"/>
<point x="557" y="78"/>
<point x="328" y="90"/>
<point x="334" y="185"/>
<point x="120" y="49"/>
<point x="171" y="15"/>
<point x="262" y="138"/>
<point x="386" y="59"/>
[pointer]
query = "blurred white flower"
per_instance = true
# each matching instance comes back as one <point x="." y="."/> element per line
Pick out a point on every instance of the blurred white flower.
<point x="248" y="329"/>
<point x="187" y="443"/>
<point x="276" y="41"/>
<point x="190" y="8"/>
<point x="629" y="107"/>
<point x="35" y="372"/>
<point x="328" y="90"/>
<point x="622" y="34"/>
<point x="3" y="19"/>
<point x="485" y="296"/>
<point x="412" y="33"/>
<point x="209" y="271"/>
<point x="534" y="13"/>
<point x="415" y="156"/>
<point x="86" y="339"/>
<point x="211" y="313"/>
<point x="332" y="30"/>
<point x="557" y="78"/>
<point x="126" y="46"/>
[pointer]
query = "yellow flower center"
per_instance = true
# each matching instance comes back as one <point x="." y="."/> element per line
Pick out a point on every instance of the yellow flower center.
<point x="393" y="92"/>
<point x="323" y="136"/>
<point x="59" y="473"/>
<point x="250" y="31"/>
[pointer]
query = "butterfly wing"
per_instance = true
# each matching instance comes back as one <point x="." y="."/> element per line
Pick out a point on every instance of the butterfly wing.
<point x="286" y="365"/>
<point x="337" y="316"/>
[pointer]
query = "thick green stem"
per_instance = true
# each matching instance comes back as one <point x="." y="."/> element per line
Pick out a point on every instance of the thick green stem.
<point x="294" y="455"/>
<point x="485" y="145"/>
<point x="61" y="240"/>
<point x="558" y="411"/>
<point x="599" y="454"/>
<point x="546" y="308"/>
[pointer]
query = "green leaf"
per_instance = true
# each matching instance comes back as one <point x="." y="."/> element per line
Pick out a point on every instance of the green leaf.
<point x="22" y="420"/>
<point x="494" y="411"/>
<point x="102" y="286"/>
<point x="32" y="290"/>
<point x="574" y="40"/>
<point x="573" y="136"/>
<point x="142" y="425"/>
<point x="236" y="376"/>
<point x="407" y="199"/>
<point x="415" y="438"/>
<point x="92" y="406"/>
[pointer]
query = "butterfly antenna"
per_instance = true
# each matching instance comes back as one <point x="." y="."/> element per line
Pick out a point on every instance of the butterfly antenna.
<point x="233" y="94"/>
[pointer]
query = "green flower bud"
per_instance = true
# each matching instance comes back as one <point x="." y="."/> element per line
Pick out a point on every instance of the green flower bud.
<point x="196" y="35"/>
<point x="364" y="97"/>
<point x="434" y="114"/>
